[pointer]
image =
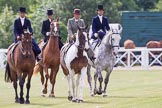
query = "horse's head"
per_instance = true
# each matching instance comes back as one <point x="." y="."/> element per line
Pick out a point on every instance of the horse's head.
<point x="112" y="39"/>
<point x="26" y="43"/>
<point x="54" y="27"/>
<point x="82" y="40"/>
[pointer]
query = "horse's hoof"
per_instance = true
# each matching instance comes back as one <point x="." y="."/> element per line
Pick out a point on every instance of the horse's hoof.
<point x="44" y="91"/>
<point x="27" y="102"/>
<point x="74" y="100"/>
<point x="70" y="98"/>
<point x="80" y="101"/>
<point x="43" y="95"/>
<point x="21" y="101"/>
<point x="105" y="95"/>
<point x="17" y="101"/>
<point x="51" y="95"/>
<point x="95" y="92"/>
<point x="99" y="92"/>
<point x="92" y="94"/>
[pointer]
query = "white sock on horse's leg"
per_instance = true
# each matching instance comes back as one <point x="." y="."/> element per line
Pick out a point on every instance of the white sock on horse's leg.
<point x="69" y="85"/>
<point x="73" y="86"/>
<point x="81" y="82"/>
<point x="76" y="85"/>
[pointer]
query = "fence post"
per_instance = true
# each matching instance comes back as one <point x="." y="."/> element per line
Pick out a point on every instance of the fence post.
<point x="145" y="58"/>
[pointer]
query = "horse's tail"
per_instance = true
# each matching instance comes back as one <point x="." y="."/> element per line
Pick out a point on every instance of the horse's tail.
<point x="8" y="73"/>
<point x="37" y="69"/>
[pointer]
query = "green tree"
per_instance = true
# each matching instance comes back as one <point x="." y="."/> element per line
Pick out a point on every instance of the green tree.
<point x="128" y="5"/>
<point x="15" y="4"/>
<point x="158" y="6"/>
<point x="146" y="5"/>
<point x="36" y="12"/>
<point x="6" y="27"/>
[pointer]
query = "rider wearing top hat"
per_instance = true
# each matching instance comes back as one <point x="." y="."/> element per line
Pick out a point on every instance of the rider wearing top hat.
<point x="22" y="23"/>
<point x="46" y="27"/>
<point x="100" y="24"/>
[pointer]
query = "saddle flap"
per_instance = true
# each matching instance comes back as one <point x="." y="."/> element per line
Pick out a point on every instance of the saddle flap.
<point x="95" y="43"/>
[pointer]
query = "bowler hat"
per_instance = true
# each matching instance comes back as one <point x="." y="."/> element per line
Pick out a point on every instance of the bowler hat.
<point x="76" y="11"/>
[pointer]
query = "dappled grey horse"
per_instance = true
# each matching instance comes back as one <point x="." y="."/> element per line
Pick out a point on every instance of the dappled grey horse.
<point x="105" y="52"/>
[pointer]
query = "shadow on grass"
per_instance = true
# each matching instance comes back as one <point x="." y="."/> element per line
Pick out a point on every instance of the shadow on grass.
<point x="43" y="104"/>
<point x="134" y="97"/>
<point x="123" y="97"/>
<point x="94" y="102"/>
<point x="61" y="97"/>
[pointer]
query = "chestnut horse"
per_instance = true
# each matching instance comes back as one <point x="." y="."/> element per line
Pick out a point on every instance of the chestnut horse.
<point x="20" y="64"/>
<point x="154" y="44"/>
<point x="129" y="44"/>
<point x="74" y="64"/>
<point x="51" y="59"/>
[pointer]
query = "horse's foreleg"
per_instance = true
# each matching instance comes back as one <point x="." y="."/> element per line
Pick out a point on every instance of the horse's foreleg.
<point x="73" y="86"/>
<point x="16" y="94"/>
<point x="21" y="84"/>
<point x="52" y="81"/>
<point x="95" y="83"/>
<point x="42" y="75"/>
<point x="81" y="83"/>
<point x="106" y="82"/>
<point x="77" y="79"/>
<point x="100" y="79"/>
<point x="14" y="78"/>
<point x="44" y="89"/>
<point x="28" y="88"/>
<point x="69" y="88"/>
<point x="89" y="77"/>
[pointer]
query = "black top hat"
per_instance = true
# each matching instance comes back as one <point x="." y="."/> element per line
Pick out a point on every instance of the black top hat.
<point x="76" y="11"/>
<point x="49" y="12"/>
<point x="22" y="9"/>
<point x="100" y="7"/>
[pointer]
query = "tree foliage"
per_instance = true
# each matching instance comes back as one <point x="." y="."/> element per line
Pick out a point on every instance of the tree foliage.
<point x="146" y="5"/>
<point x="36" y="12"/>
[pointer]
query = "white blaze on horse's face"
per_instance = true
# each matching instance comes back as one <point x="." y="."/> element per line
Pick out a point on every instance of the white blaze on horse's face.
<point x="77" y="37"/>
<point x="86" y="39"/>
<point x="115" y="40"/>
<point x="55" y="27"/>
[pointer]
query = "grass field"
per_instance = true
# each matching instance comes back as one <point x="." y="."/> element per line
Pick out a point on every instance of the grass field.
<point x="126" y="89"/>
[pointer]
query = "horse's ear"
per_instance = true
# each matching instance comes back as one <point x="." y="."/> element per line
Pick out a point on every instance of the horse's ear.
<point x="23" y="35"/>
<point x="30" y="34"/>
<point x="58" y="19"/>
<point x="78" y="27"/>
<point x="25" y="31"/>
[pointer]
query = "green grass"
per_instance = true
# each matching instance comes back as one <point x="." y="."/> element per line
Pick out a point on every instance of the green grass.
<point x="126" y="89"/>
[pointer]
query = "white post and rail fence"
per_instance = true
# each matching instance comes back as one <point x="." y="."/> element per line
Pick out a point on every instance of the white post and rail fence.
<point x="141" y="57"/>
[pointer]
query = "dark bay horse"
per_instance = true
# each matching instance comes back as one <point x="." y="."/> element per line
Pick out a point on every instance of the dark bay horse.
<point x="51" y="60"/>
<point x="20" y="64"/>
<point x="74" y="64"/>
